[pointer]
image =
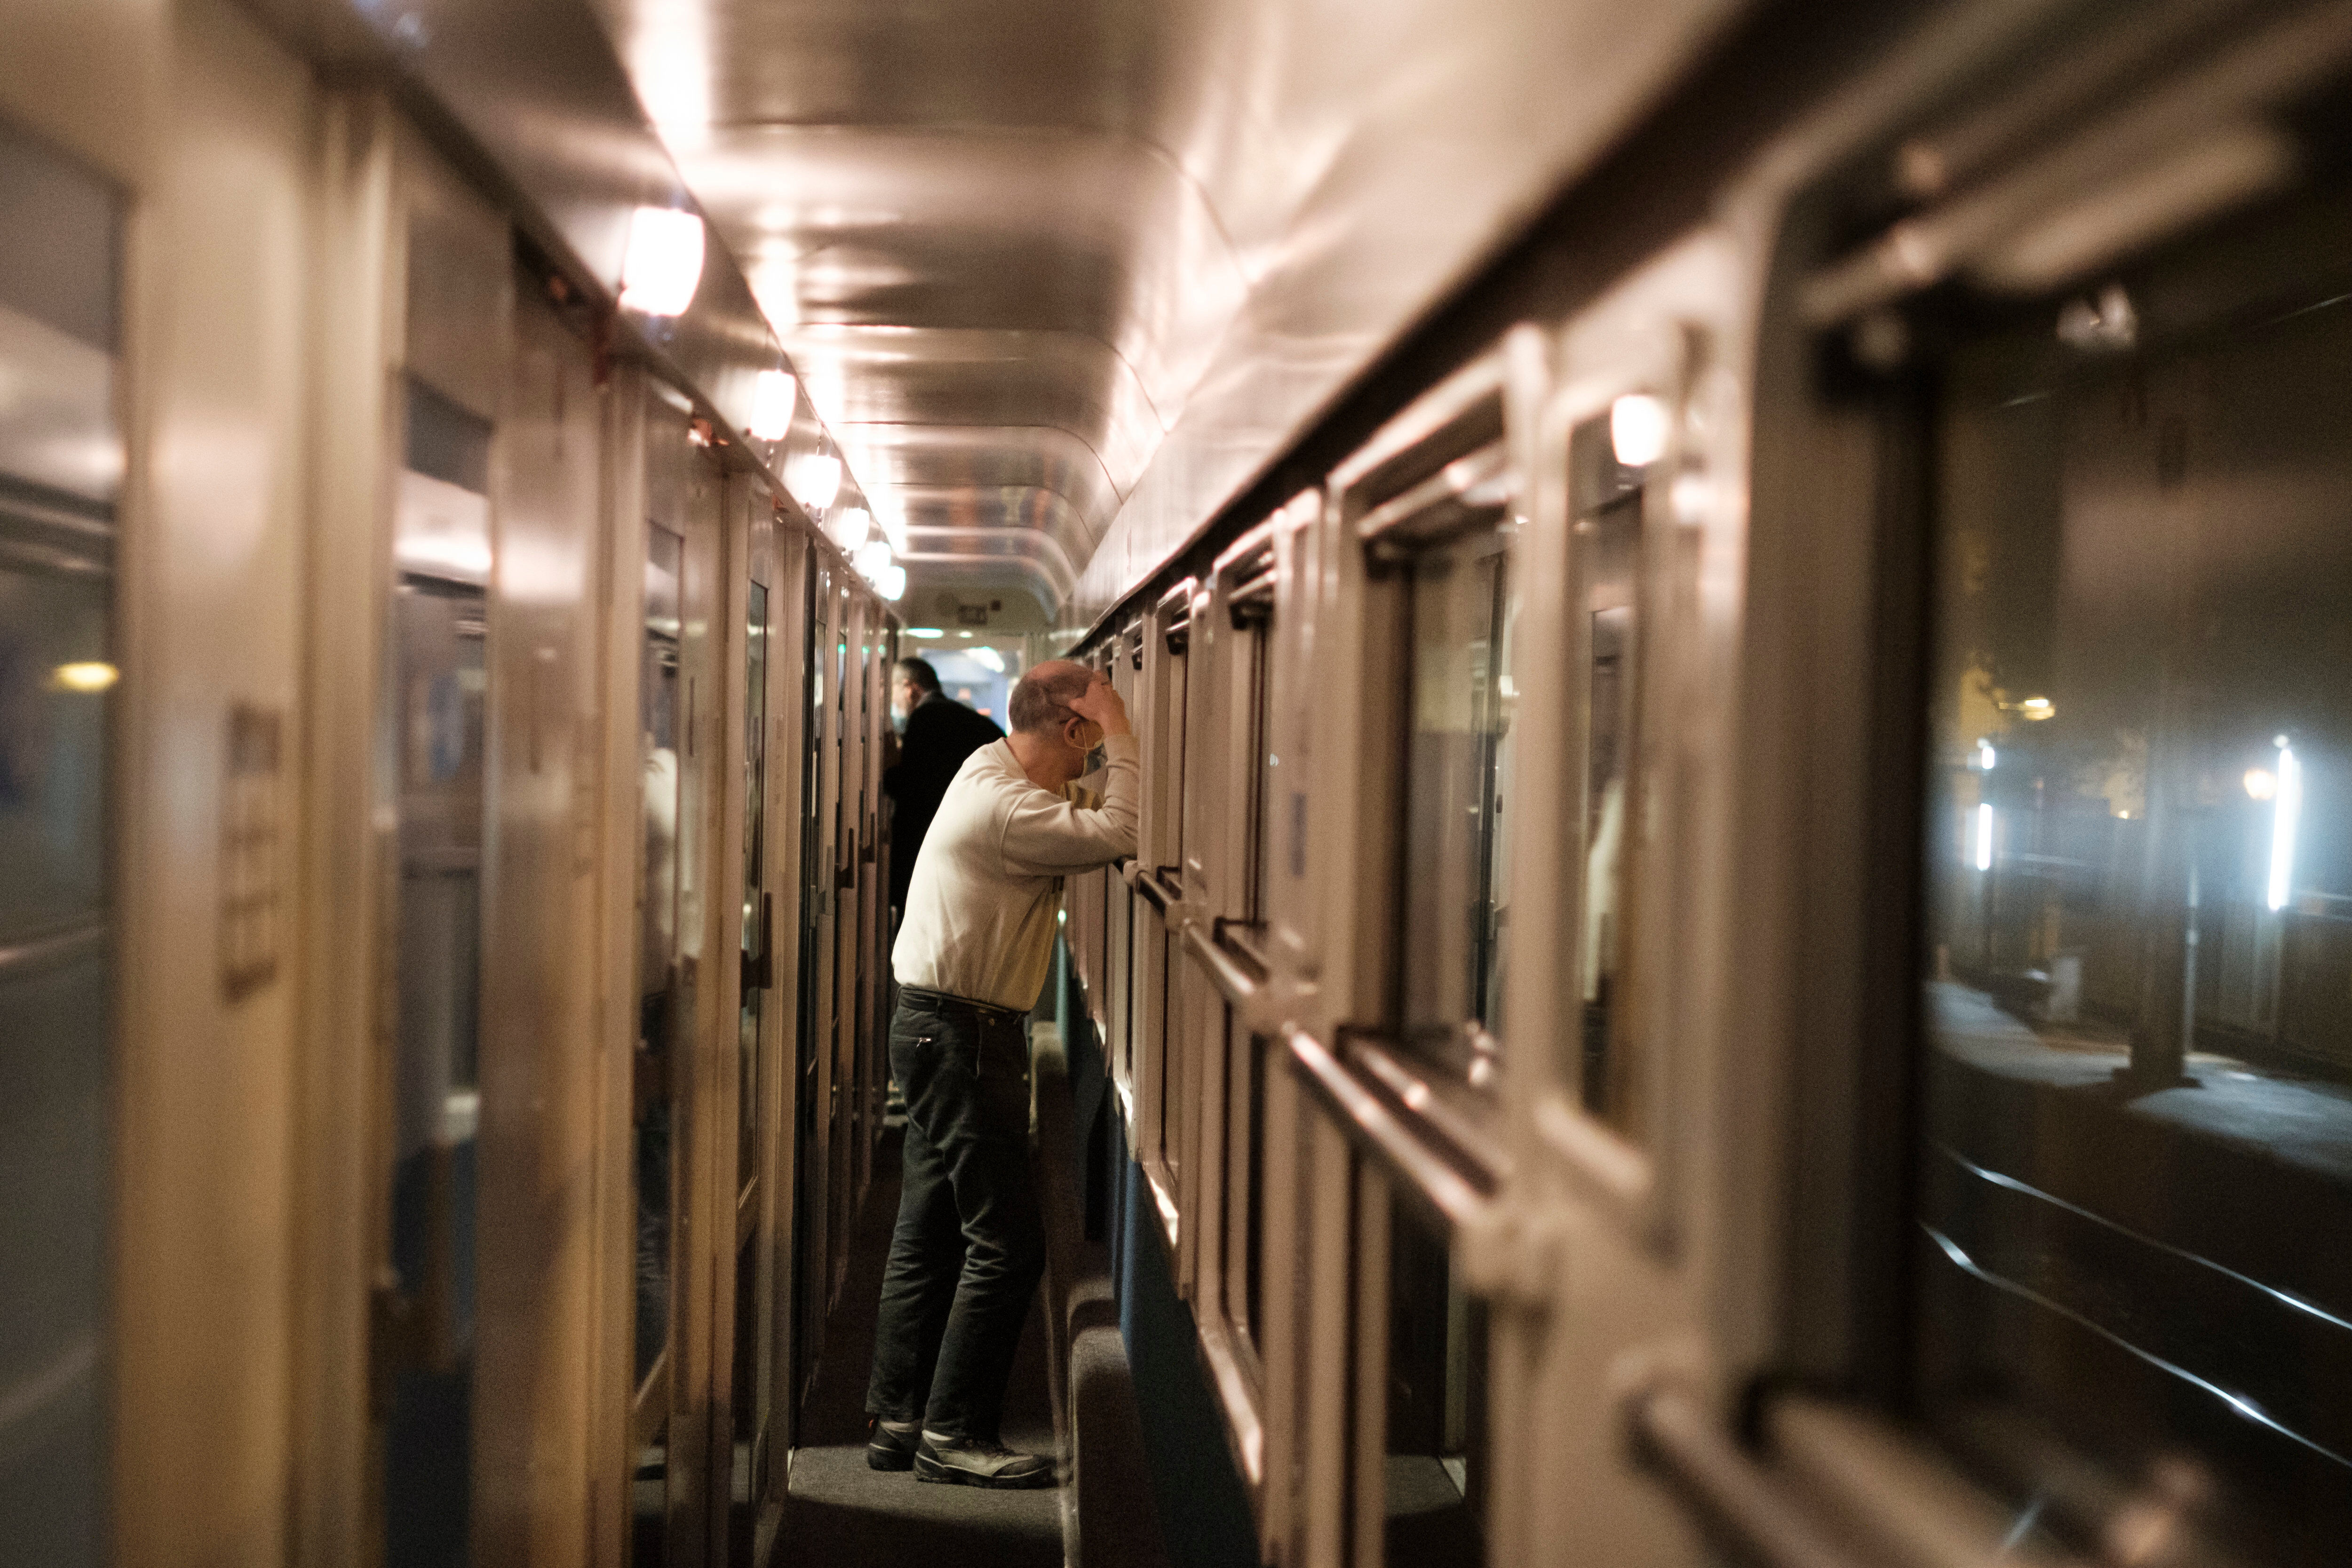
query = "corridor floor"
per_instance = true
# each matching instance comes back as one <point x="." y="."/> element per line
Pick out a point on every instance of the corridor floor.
<point x="841" y="1514"/>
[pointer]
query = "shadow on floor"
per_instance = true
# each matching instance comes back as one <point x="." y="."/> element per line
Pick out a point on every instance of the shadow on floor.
<point x="839" y="1513"/>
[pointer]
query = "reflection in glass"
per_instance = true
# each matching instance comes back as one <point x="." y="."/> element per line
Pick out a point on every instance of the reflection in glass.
<point x="758" y="936"/>
<point x="2138" y="1166"/>
<point x="1457" y="749"/>
<point x="1607" y="494"/>
<point x="441" y="545"/>
<point x="61" y="456"/>
<point x="1437" y="1479"/>
<point x="658" y="971"/>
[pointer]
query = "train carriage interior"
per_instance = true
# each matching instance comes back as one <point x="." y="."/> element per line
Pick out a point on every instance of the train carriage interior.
<point x="1723" y="934"/>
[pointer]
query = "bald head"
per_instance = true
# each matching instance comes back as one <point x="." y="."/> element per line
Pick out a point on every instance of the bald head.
<point x="1041" y="698"/>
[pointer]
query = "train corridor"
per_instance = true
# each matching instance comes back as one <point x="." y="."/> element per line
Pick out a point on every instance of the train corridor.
<point x="840" y="1512"/>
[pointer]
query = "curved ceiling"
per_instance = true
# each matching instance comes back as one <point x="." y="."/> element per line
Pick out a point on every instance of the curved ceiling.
<point x="1061" y="275"/>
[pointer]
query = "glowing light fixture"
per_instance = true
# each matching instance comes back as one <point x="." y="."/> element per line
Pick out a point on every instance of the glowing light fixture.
<point x="2286" y="810"/>
<point x="927" y="633"/>
<point x="86" y="676"/>
<point x="820" y="481"/>
<point x="1986" y="756"/>
<point x="663" y="265"/>
<point x="892" y="583"/>
<point x="1984" y="836"/>
<point x="2262" y="783"/>
<point x="1637" y="429"/>
<point x="853" y="530"/>
<point x="873" y="559"/>
<point x="773" y="397"/>
<point x="2036" y="709"/>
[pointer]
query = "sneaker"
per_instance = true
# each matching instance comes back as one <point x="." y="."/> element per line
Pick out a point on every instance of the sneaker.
<point x="969" y="1462"/>
<point x="890" y="1445"/>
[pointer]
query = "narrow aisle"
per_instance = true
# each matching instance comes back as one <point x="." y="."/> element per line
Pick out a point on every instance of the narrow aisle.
<point x="840" y="1513"/>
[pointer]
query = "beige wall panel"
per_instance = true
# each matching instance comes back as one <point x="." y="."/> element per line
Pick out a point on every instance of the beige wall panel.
<point x="344" y="846"/>
<point x="211" y="588"/>
<point x="89" y="75"/>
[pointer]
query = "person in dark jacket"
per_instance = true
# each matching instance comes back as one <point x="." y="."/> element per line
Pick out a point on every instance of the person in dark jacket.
<point x="941" y="734"/>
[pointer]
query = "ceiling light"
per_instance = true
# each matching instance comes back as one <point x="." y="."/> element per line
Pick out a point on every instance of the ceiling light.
<point x="820" y="481"/>
<point x="853" y="529"/>
<point x="663" y="265"/>
<point x="892" y="583"/>
<point x="925" y="632"/>
<point x="1637" y="429"/>
<point x="774" y="397"/>
<point x="874" y="559"/>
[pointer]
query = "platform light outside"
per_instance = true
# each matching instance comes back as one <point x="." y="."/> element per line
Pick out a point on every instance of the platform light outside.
<point x="662" y="267"/>
<point x="1984" y="836"/>
<point x="774" y="397"/>
<point x="84" y="676"/>
<point x="1986" y="755"/>
<point x="2286" y="814"/>
<point x="987" y="657"/>
<point x="1637" y="429"/>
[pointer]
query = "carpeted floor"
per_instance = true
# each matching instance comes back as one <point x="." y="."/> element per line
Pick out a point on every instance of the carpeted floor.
<point x="840" y="1514"/>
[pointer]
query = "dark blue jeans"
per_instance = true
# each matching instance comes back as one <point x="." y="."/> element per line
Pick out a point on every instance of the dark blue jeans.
<point x="969" y="1247"/>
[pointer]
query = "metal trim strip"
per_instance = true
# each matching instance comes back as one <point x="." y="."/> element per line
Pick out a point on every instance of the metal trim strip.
<point x="57" y="948"/>
<point x="1678" y="1435"/>
<point x="1225" y="972"/>
<point x="1370" y="1122"/>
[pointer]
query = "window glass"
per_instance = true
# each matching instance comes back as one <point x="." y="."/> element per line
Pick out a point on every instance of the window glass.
<point x="60" y="459"/>
<point x="1436" y="1479"/>
<point x="758" y="933"/>
<point x="1606" y="494"/>
<point x="1457" y="744"/>
<point x="661" y="724"/>
<point x="2136" y="1162"/>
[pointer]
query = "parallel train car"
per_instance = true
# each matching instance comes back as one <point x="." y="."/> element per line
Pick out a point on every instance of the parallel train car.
<point x="1739" y="945"/>
<point x="1749" y="857"/>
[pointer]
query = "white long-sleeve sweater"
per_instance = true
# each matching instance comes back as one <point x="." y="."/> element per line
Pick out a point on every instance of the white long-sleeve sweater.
<point x="979" y="920"/>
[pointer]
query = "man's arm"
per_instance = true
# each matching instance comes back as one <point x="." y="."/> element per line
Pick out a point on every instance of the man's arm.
<point x="1045" y="834"/>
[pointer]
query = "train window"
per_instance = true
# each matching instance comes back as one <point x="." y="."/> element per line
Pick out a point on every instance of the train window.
<point x="1436" y="1399"/>
<point x="759" y="934"/>
<point x="660" y="725"/>
<point x="1450" y="541"/>
<point x="60" y="459"/>
<point x="441" y="547"/>
<point x="1456" y="748"/>
<point x="2135" y="1166"/>
<point x="1608" y="458"/>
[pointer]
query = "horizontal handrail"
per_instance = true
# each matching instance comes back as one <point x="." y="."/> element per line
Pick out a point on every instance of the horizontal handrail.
<point x="1374" y="1124"/>
<point x="1236" y="984"/>
<point x="1676" y="1432"/>
<point x="1474" y="1145"/>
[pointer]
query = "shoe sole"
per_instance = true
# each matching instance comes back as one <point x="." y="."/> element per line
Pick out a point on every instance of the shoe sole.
<point x="956" y="1476"/>
<point x="878" y="1458"/>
